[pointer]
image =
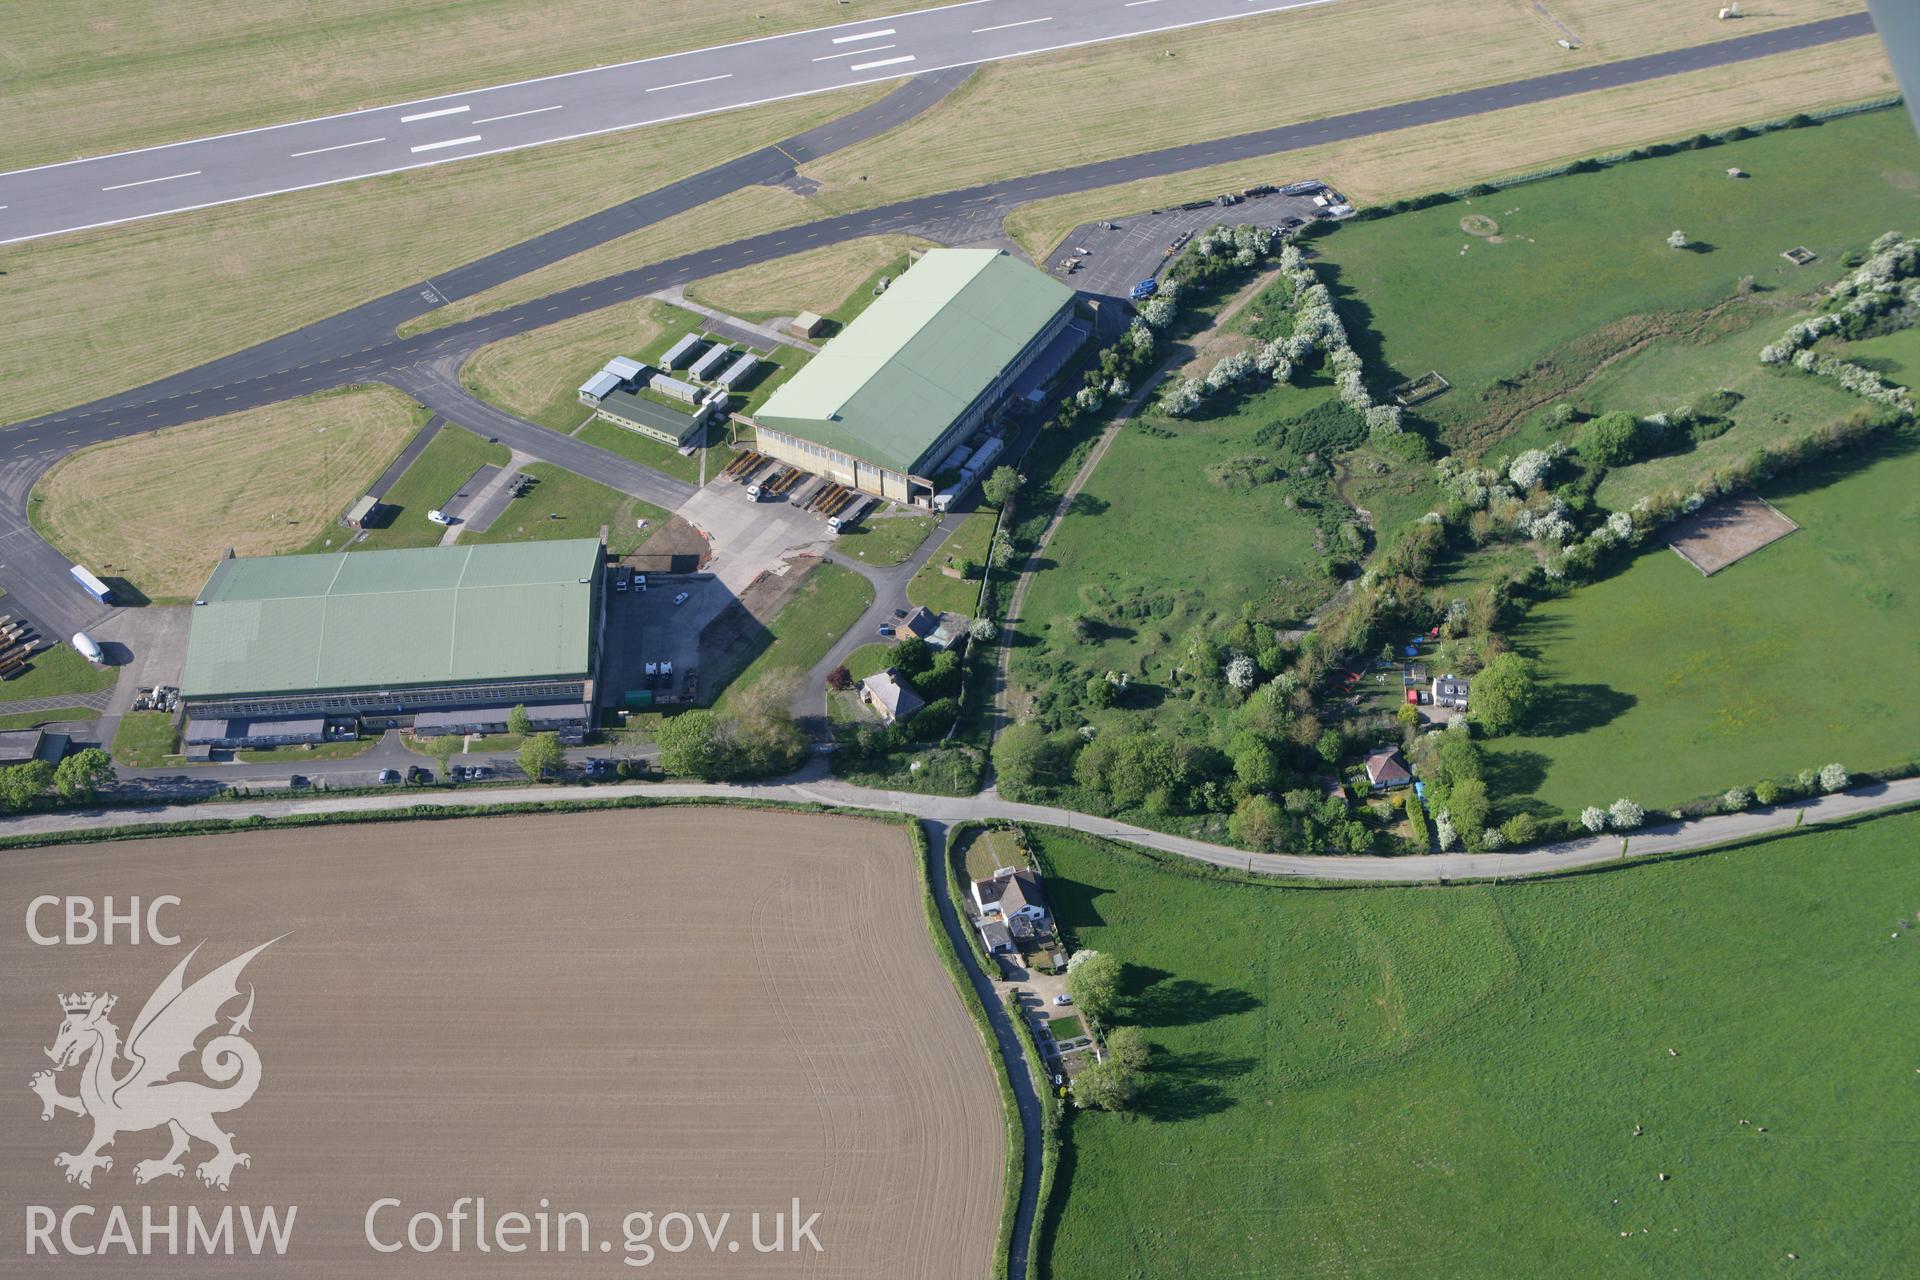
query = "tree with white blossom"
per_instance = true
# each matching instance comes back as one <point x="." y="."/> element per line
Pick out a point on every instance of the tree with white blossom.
<point x="1530" y="468"/>
<point x="1594" y="818"/>
<point x="1625" y="815"/>
<point x="1182" y="399"/>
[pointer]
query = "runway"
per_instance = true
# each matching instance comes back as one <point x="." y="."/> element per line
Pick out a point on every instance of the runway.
<point x="76" y="195"/>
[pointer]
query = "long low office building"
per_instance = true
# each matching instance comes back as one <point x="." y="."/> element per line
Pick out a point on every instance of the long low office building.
<point x="917" y="373"/>
<point x="376" y="638"/>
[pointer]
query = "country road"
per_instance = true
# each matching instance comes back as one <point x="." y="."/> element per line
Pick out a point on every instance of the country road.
<point x="813" y="786"/>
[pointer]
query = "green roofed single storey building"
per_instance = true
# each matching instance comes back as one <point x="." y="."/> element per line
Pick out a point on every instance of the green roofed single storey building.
<point x="916" y="373"/>
<point x="379" y="639"/>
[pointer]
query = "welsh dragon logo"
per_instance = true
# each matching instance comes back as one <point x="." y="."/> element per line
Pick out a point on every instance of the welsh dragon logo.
<point x="145" y="1095"/>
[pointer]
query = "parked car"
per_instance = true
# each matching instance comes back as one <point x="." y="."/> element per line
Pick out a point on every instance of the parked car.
<point x="1145" y="289"/>
<point x="480" y="771"/>
<point x="297" y="780"/>
<point x="418" y="774"/>
<point x="1063" y="998"/>
<point x="639" y="582"/>
<point x="886" y="629"/>
<point x="621" y="576"/>
<point x="389" y="776"/>
<point x="681" y="598"/>
<point x="439" y="517"/>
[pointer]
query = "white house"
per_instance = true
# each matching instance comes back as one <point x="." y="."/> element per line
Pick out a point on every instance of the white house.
<point x="1450" y="691"/>
<point x="1011" y="893"/>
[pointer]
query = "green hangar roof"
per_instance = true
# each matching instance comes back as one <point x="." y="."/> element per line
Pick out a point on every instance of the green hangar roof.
<point x="376" y="619"/>
<point x="888" y="388"/>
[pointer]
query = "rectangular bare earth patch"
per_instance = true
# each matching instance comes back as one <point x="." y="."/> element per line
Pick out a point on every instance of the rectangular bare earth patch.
<point x="1714" y="537"/>
<point x="698" y="1010"/>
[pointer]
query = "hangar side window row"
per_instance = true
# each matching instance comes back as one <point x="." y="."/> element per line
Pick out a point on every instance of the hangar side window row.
<point x="349" y="701"/>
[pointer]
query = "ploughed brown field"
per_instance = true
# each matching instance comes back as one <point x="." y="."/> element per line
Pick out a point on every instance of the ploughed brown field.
<point x="708" y="1011"/>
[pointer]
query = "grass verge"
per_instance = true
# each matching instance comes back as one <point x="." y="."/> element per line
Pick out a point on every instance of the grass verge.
<point x="561" y="504"/>
<point x="144" y="739"/>
<point x="34" y="719"/>
<point x="160" y="510"/>
<point x="969" y="544"/>
<point x="963" y="988"/>
<point x="883" y="539"/>
<point x="827" y="604"/>
<point x="449" y="459"/>
<point x="822" y="281"/>
<point x="56" y="672"/>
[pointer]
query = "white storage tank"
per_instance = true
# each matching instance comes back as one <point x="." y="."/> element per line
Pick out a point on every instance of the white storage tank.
<point x="89" y="649"/>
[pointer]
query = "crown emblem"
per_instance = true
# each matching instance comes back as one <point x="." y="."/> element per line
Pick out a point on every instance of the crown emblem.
<point x="79" y="1003"/>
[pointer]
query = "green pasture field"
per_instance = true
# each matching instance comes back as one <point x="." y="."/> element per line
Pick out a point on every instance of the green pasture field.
<point x="1385" y="1082"/>
<point x="1895" y="356"/>
<point x="1665" y="686"/>
<point x="1777" y="403"/>
<point x="1580" y="255"/>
